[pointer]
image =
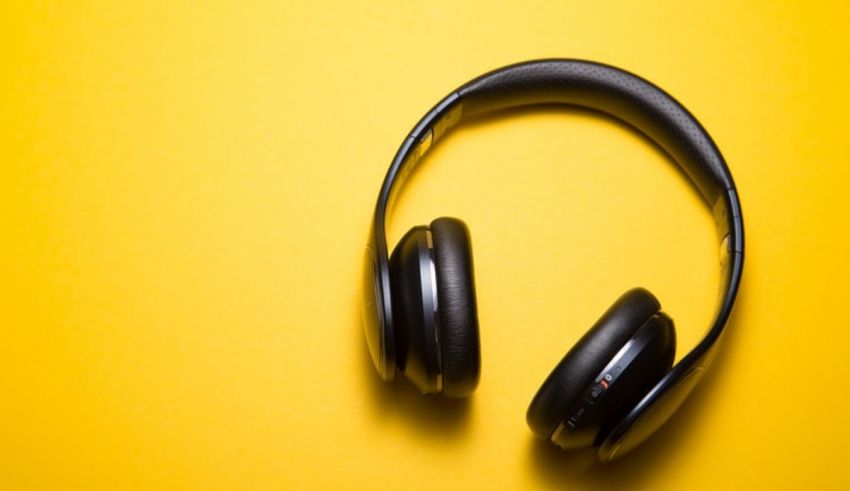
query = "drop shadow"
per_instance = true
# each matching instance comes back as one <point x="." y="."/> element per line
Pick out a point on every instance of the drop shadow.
<point x="431" y="416"/>
<point x="558" y="468"/>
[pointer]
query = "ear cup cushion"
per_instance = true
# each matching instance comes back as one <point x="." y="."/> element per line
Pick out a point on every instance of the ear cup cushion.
<point x="587" y="358"/>
<point x="456" y="306"/>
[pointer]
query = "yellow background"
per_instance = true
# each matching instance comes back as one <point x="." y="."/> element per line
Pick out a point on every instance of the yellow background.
<point x="186" y="191"/>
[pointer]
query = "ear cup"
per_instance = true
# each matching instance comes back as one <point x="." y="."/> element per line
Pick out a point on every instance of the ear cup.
<point x="457" y="310"/>
<point x="629" y="376"/>
<point x="413" y="284"/>
<point x="587" y="358"/>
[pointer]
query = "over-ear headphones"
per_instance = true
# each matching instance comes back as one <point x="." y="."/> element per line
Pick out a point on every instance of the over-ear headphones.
<point x="617" y="385"/>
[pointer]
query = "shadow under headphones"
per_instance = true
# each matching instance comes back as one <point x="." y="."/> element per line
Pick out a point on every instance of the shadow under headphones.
<point x="617" y="385"/>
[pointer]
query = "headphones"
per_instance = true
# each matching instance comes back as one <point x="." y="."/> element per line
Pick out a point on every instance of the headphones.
<point x="617" y="385"/>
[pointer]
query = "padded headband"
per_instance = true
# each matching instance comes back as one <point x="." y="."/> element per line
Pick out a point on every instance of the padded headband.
<point x="616" y="93"/>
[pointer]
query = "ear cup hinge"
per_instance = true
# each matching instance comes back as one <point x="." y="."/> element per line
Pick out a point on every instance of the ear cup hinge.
<point x="442" y="117"/>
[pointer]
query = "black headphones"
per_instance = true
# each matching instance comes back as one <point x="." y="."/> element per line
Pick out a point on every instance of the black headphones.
<point x="617" y="385"/>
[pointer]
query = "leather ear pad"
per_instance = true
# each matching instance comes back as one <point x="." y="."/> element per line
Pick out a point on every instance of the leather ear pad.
<point x="587" y="358"/>
<point x="458" y="314"/>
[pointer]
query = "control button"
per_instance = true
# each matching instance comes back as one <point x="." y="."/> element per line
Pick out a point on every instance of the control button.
<point x="575" y="419"/>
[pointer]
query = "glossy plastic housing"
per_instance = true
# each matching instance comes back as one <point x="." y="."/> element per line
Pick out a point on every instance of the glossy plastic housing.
<point x="621" y="95"/>
<point x="414" y="284"/>
<point x="636" y="367"/>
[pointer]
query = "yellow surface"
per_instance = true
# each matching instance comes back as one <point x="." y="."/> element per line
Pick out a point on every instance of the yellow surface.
<point x="186" y="190"/>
